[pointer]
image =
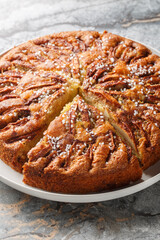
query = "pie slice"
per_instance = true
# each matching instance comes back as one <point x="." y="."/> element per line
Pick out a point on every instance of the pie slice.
<point x="27" y="110"/>
<point x="79" y="153"/>
<point x="129" y="97"/>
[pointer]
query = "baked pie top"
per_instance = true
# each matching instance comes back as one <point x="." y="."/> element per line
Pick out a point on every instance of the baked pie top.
<point x="117" y="76"/>
<point x="81" y="133"/>
<point x="79" y="147"/>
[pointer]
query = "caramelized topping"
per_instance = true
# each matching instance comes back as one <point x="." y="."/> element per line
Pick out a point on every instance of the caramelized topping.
<point x="125" y="74"/>
<point x="80" y="132"/>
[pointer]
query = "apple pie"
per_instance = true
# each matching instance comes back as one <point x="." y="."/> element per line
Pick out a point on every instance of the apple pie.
<point x="80" y="111"/>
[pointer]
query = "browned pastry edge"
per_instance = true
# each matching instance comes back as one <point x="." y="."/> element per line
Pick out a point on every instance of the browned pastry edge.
<point x="85" y="183"/>
<point x="15" y="155"/>
<point x="150" y="154"/>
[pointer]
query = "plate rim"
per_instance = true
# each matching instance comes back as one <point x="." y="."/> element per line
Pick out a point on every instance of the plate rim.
<point x="80" y="198"/>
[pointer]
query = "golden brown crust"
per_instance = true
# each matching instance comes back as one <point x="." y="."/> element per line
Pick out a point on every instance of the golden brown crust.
<point x="81" y="151"/>
<point x="139" y="124"/>
<point x="119" y="76"/>
<point x="128" y="89"/>
<point x="14" y="153"/>
<point x="26" y="110"/>
<point x="86" y="183"/>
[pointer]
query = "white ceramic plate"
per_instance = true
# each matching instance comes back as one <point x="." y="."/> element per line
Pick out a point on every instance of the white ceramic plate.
<point x="14" y="179"/>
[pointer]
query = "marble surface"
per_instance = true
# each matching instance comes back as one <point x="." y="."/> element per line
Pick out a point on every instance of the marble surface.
<point x="133" y="217"/>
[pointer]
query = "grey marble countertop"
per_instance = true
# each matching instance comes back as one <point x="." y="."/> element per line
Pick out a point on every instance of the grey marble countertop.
<point x="133" y="217"/>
